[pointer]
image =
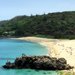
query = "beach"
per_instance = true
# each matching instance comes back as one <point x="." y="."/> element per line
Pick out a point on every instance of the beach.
<point x="58" y="48"/>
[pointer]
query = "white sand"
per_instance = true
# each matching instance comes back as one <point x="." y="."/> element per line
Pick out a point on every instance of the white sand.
<point x="57" y="48"/>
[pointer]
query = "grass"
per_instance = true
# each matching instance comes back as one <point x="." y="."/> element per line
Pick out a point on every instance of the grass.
<point x="44" y="36"/>
<point x="56" y="37"/>
<point x="66" y="73"/>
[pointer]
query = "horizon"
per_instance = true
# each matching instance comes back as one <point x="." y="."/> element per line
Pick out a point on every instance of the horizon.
<point x="10" y="9"/>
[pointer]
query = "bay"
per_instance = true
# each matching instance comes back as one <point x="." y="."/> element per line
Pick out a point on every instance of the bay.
<point x="11" y="48"/>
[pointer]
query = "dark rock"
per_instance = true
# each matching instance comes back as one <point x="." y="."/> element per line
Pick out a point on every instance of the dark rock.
<point x="62" y="61"/>
<point x="9" y="65"/>
<point x="39" y="62"/>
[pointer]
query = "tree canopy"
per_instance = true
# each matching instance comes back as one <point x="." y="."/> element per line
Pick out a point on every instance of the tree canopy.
<point x="57" y="25"/>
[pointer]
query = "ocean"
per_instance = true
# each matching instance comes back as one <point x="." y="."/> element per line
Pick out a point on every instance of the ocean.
<point x="11" y="48"/>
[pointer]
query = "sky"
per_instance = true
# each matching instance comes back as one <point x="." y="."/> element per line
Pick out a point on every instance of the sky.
<point x="12" y="8"/>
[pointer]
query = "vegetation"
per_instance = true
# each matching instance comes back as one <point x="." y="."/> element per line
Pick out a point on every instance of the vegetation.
<point x="55" y="25"/>
<point x="65" y="73"/>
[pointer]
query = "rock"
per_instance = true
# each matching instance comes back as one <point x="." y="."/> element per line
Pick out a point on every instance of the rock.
<point x="9" y="65"/>
<point x="39" y="62"/>
<point x="62" y="61"/>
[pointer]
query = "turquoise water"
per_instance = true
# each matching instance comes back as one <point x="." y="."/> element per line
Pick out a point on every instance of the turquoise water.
<point x="14" y="48"/>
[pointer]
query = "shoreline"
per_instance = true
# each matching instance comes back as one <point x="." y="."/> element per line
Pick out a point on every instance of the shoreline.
<point x="56" y="48"/>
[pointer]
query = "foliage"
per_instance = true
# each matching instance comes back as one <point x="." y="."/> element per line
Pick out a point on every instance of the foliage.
<point x="57" y="25"/>
<point x="65" y="73"/>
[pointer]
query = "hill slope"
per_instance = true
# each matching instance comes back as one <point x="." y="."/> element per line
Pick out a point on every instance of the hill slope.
<point x="57" y="25"/>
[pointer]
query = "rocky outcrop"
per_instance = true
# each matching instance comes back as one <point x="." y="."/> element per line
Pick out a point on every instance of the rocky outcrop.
<point x="38" y="62"/>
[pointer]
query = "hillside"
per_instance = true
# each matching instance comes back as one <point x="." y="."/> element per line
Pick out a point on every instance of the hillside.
<point x="55" y="25"/>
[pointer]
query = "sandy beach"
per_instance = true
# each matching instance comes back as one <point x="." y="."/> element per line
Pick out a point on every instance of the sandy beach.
<point x="56" y="47"/>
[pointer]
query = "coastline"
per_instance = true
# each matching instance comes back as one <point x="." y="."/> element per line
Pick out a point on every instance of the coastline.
<point x="56" y="48"/>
